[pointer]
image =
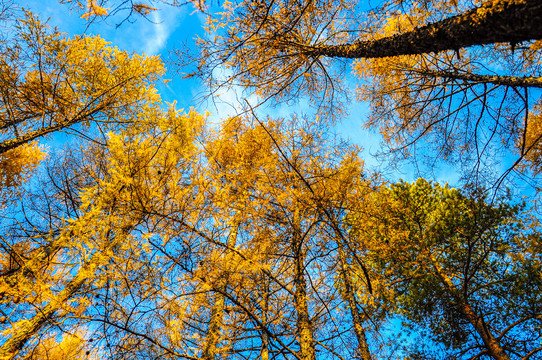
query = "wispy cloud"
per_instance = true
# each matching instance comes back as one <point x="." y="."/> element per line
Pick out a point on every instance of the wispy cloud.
<point x="160" y="30"/>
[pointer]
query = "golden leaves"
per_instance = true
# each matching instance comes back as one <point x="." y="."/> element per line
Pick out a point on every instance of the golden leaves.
<point x="93" y="10"/>
<point x="16" y="165"/>
<point x="70" y="347"/>
<point x="143" y="9"/>
<point x="529" y="144"/>
<point x="253" y="39"/>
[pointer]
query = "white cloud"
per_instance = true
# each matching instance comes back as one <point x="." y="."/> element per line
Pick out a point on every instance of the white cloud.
<point x="159" y="32"/>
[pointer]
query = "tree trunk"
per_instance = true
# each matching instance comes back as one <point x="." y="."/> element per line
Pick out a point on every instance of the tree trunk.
<point x="513" y="81"/>
<point x="499" y="21"/>
<point x="10" y="144"/>
<point x="213" y="333"/>
<point x="493" y="346"/>
<point x="264" y="352"/>
<point x="217" y="313"/>
<point x="304" y="325"/>
<point x="350" y="297"/>
<point x="25" y="330"/>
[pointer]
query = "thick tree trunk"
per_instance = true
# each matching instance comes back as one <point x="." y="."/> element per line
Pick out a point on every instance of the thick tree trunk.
<point x="499" y="21"/>
<point x="493" y="346"/>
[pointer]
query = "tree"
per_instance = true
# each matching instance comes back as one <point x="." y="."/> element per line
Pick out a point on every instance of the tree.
<point x="16" y="167"/>
<point x="435" y="70"/>
<point x="262" y="266"/>
<point x="84" y="251"/>
<point x="477" y="108"/>
<point x="51" y="83"/>
<point x="235" y="257"/>
<point x="452" y="264"/>
<point x="407" y="56"/>
<point x="196" y="251"/>
<point x="54" y="84"/>
<point x="159" y="236"/>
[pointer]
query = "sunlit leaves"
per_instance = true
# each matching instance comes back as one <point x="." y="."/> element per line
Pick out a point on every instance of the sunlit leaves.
<point x="17" y="165"/>
<point x="54" y="83"/>
<point x="467" y="105"/>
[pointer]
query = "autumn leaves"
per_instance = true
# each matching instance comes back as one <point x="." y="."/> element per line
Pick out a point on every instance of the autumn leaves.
<point x="161" y="235"/>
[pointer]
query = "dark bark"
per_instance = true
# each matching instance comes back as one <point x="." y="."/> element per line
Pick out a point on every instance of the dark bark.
<point x="492" y="344"/>
<point x="33" y="135"/>
<point x="505" y="21"/>
<point x="514" y="81"/>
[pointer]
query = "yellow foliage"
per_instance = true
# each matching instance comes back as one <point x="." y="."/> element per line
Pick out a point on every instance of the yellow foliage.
<point x="93" y="9"/>
<point x="16" y="165"/>
<point x="143" y="9"/>
<point x="67" y="82"/>
<point x="71" y="347"/>
<point x="530" y="144"/>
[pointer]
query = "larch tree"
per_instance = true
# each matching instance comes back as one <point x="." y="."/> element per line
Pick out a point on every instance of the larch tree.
<point x="475" y="106"/>
<point x="465" y="76"/>
<point x="235" y="255"/>
<point x="82" y="87"/>
<point x="295" y="193"/>
<point x="51" y="84"/>
<point x="94" y="228"/>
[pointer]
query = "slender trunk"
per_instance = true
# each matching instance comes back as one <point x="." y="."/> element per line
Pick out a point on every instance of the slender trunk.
<point x="213" y="333"/>
<point x="493" y="346"/>
<point x="10" y="144"/>
<point x="264" y="352"/>
<point x="357" y="319"/>
<point x="514" y="81"/>
<point x="210" y="349"/>
<point x="25" y="330"/>
<point x="505" y="21"/>
<point x="304" y="326"/>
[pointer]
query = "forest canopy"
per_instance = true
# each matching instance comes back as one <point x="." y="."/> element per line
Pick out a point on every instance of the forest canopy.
<point x="131" y="229"/>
